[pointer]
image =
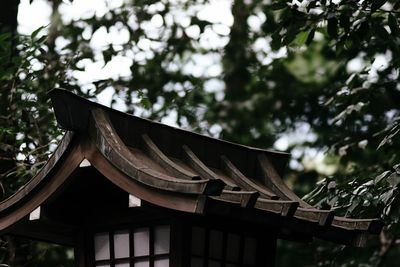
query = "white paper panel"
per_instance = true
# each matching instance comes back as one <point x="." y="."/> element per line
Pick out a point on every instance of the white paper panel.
<point x="85" y="163"/>
<point x="102" y="265"/>
<point x="102" y="246"/>
<point x="250" y="246"/>
<point x="161" y="239"/>
<point x="198" y="239"/>
<point x="35" y="215"/>
<point x="121" y="244"/>
<point x="197" y="262"/>
<point x="215" y="244"/>
<point x="161" y="262"/>
<point x="134" y="201"/>
<point x="141" y="242"/>
<point x="125" y="264"/>
<point x="143" y="263"/>
<point x="232" y="247"/>
<point x="214" y="264"/>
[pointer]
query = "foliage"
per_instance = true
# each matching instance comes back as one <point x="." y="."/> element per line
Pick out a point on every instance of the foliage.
<point x="361" y="107"/>
<point x="27" y="130"/>
<point x="329" y="66"/>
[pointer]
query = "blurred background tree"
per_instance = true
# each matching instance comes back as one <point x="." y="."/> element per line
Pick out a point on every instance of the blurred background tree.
<point x="319" y="79"/>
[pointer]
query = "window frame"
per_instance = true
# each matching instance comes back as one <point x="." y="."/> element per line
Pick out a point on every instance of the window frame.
<point x="223" y="261"/>
<point x="180" y="253"/>
<point x="131" y="259"/>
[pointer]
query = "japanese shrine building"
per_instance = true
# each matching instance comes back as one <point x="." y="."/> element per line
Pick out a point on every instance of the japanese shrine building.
<point x="129" y="192"/>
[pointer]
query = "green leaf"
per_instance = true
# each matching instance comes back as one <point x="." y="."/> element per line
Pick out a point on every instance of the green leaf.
<point x="397" y="168"/>
<point x="392" y="21"/>
<point x="354" y="205"/>
<point x="5" y="36"/>
<point x="385" y="198"/>
<point x="381" y="176"/>
<point x="290" y="34"/>
<point x="36" y="32"/>
<point x="394" y="179"/>
<point x="311" y="5"/>
<point x="310" y="37"/>
<point x="301" y="38"/>
<point x="41" y="40"/>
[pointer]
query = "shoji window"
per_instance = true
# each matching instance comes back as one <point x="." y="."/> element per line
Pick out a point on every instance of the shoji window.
<point x="214" y="248"/>
<point x="136" y="247"/>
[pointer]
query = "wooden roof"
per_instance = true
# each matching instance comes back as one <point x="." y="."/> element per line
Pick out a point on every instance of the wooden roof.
<point x="177" y="170"/>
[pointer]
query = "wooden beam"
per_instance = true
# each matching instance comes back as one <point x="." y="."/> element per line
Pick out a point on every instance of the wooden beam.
<point x="204" y="171"/>
<point x="373" y="226"/>
<point x="47" y="231"/>
<point x="158" y="156"/>
<point x="246" y="199"/>
<point x="163" y="198"/>
<point x="322" y="217"/>
<point x="272" y="179"/>
<point x="111" y="147"/>
<point x="245" y="182"/>
<point x="282" y="207"/>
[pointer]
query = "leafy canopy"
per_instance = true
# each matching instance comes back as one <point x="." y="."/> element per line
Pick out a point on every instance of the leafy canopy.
<point x="330" y="67"/>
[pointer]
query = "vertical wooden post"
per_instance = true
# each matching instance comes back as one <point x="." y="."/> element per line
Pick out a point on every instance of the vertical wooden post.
<point x="82" y="251"/>
<point x="180" y="230"/>
<point x="266" y="249"/>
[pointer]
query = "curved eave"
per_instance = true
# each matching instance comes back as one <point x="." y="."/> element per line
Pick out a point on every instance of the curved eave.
<point x="72" y="150"/>
<point x="74" y="113"/>
<point x="273" y="180"/>
<point x="43" y="184"/>
<point x="281" y="214"/>
<point x="113" y="148"/>
<point x="40" y="176"/>
<point x="372" y="226"/>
